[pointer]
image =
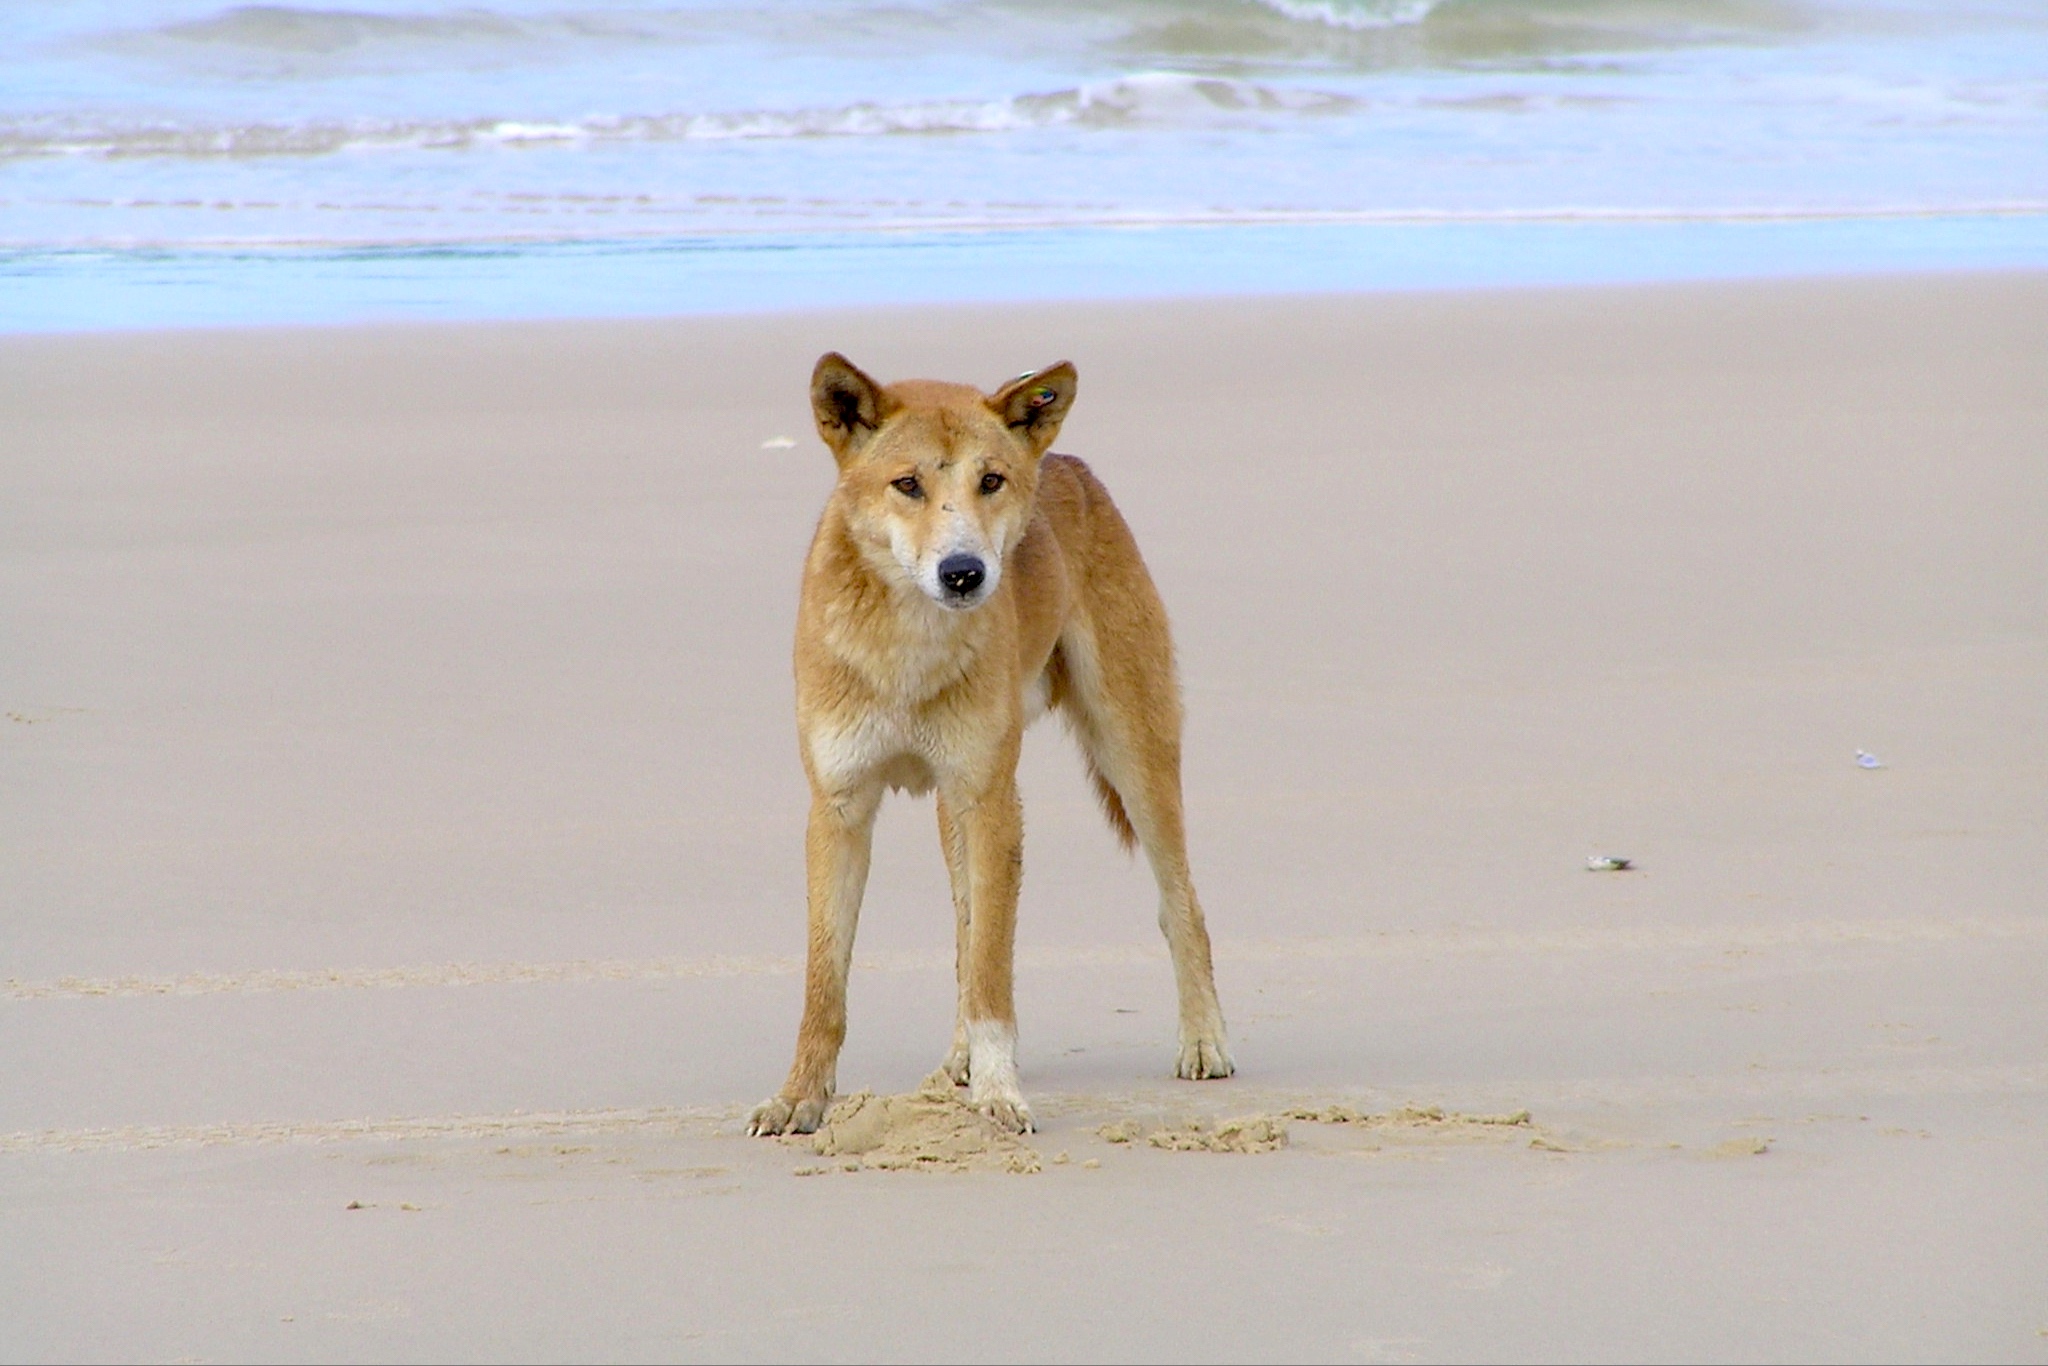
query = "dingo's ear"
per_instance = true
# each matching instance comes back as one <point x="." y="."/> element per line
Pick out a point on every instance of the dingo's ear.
<point x="1034" y="405"/>
<point x="847" y="404"/>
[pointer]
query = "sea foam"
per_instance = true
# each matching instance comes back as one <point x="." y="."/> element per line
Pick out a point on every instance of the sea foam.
<point x="1355" y="14"/>
<point x="1149" y="98"/>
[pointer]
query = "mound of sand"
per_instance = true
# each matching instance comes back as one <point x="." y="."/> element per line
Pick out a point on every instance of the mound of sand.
<point x="931" y="1129"/>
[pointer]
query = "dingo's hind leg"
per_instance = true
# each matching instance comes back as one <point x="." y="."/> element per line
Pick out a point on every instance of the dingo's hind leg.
<point x="1123" y="705"/>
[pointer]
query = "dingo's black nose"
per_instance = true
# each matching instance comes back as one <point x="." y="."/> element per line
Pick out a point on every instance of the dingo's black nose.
<point x="961" y="574"/>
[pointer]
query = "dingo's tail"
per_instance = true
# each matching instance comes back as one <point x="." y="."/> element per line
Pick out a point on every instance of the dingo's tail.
<point x="1113" y="808"/>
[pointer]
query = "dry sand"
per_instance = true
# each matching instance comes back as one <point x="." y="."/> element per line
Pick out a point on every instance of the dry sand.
<point x="400" y="846"/>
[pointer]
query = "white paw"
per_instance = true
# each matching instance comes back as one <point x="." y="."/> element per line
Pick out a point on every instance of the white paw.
<point x="780" y="1115"/>
<point x="955" y="1065"/>
<point x="1008" y="1110"/>
<point x="1203" y="1059"/>
<point x="992" y="1086"/>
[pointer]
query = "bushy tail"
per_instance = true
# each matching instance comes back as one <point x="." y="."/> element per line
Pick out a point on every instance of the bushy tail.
<point x="1113" y="808"/>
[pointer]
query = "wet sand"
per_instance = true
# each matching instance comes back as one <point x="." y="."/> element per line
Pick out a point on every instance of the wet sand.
<point x="400" y="843"/>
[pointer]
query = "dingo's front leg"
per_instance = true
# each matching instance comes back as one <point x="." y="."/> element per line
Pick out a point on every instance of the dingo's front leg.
<point x="994" y="829"/>
<point x="953" y="842"/>
<point x="836" y="872"/>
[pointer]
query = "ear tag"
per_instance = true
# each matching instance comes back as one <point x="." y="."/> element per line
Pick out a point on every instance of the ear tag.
<point x="1040" y="397"/>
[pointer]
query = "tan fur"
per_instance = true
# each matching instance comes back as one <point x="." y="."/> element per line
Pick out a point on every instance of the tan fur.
<point x="903" y="683"/>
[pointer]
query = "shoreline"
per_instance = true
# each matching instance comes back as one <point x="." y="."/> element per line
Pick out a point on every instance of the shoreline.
<point x="55" y="291"/>
<point x="1033" y="311"/>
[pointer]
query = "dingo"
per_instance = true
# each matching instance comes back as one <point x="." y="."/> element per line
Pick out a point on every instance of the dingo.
<point x="962" y="582"/>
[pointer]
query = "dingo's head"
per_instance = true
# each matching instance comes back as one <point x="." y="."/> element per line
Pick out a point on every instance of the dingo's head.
<point x="937" y="480"/>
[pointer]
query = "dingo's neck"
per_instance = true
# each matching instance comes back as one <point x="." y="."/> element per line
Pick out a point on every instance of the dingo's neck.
<point x="906" y="648"/>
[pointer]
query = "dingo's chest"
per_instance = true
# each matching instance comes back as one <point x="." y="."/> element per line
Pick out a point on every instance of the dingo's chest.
<point x="910" y="747"/>
<point x="899" y="747"/>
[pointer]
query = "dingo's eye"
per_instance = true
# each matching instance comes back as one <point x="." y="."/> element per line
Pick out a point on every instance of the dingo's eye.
<point x="991" y="482"/>
<point x="908" y="486"/>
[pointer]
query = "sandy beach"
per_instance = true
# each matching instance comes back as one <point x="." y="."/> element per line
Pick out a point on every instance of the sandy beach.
<point x="401" y="843"/>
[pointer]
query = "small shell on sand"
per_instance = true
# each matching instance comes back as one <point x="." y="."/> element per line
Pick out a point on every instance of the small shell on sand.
<point x="1740" y="1147"/>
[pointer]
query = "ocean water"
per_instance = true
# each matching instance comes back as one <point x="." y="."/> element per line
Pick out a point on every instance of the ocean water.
<point x="168" y="162"/>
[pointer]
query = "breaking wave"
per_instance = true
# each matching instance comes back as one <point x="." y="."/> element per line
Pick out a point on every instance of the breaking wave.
<point x="289" y="41"/>
<point x="292" y="29"/>
<point x="288" y="28"/>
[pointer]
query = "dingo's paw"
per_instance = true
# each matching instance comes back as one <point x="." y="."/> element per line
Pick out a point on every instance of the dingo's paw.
<point x="1203" y="1059"/>
<point x="780" y="1115"/>
<point x="992" y="1074"/>
<point x="1008" y="1110"/>
<point x="955" y="1065"/>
